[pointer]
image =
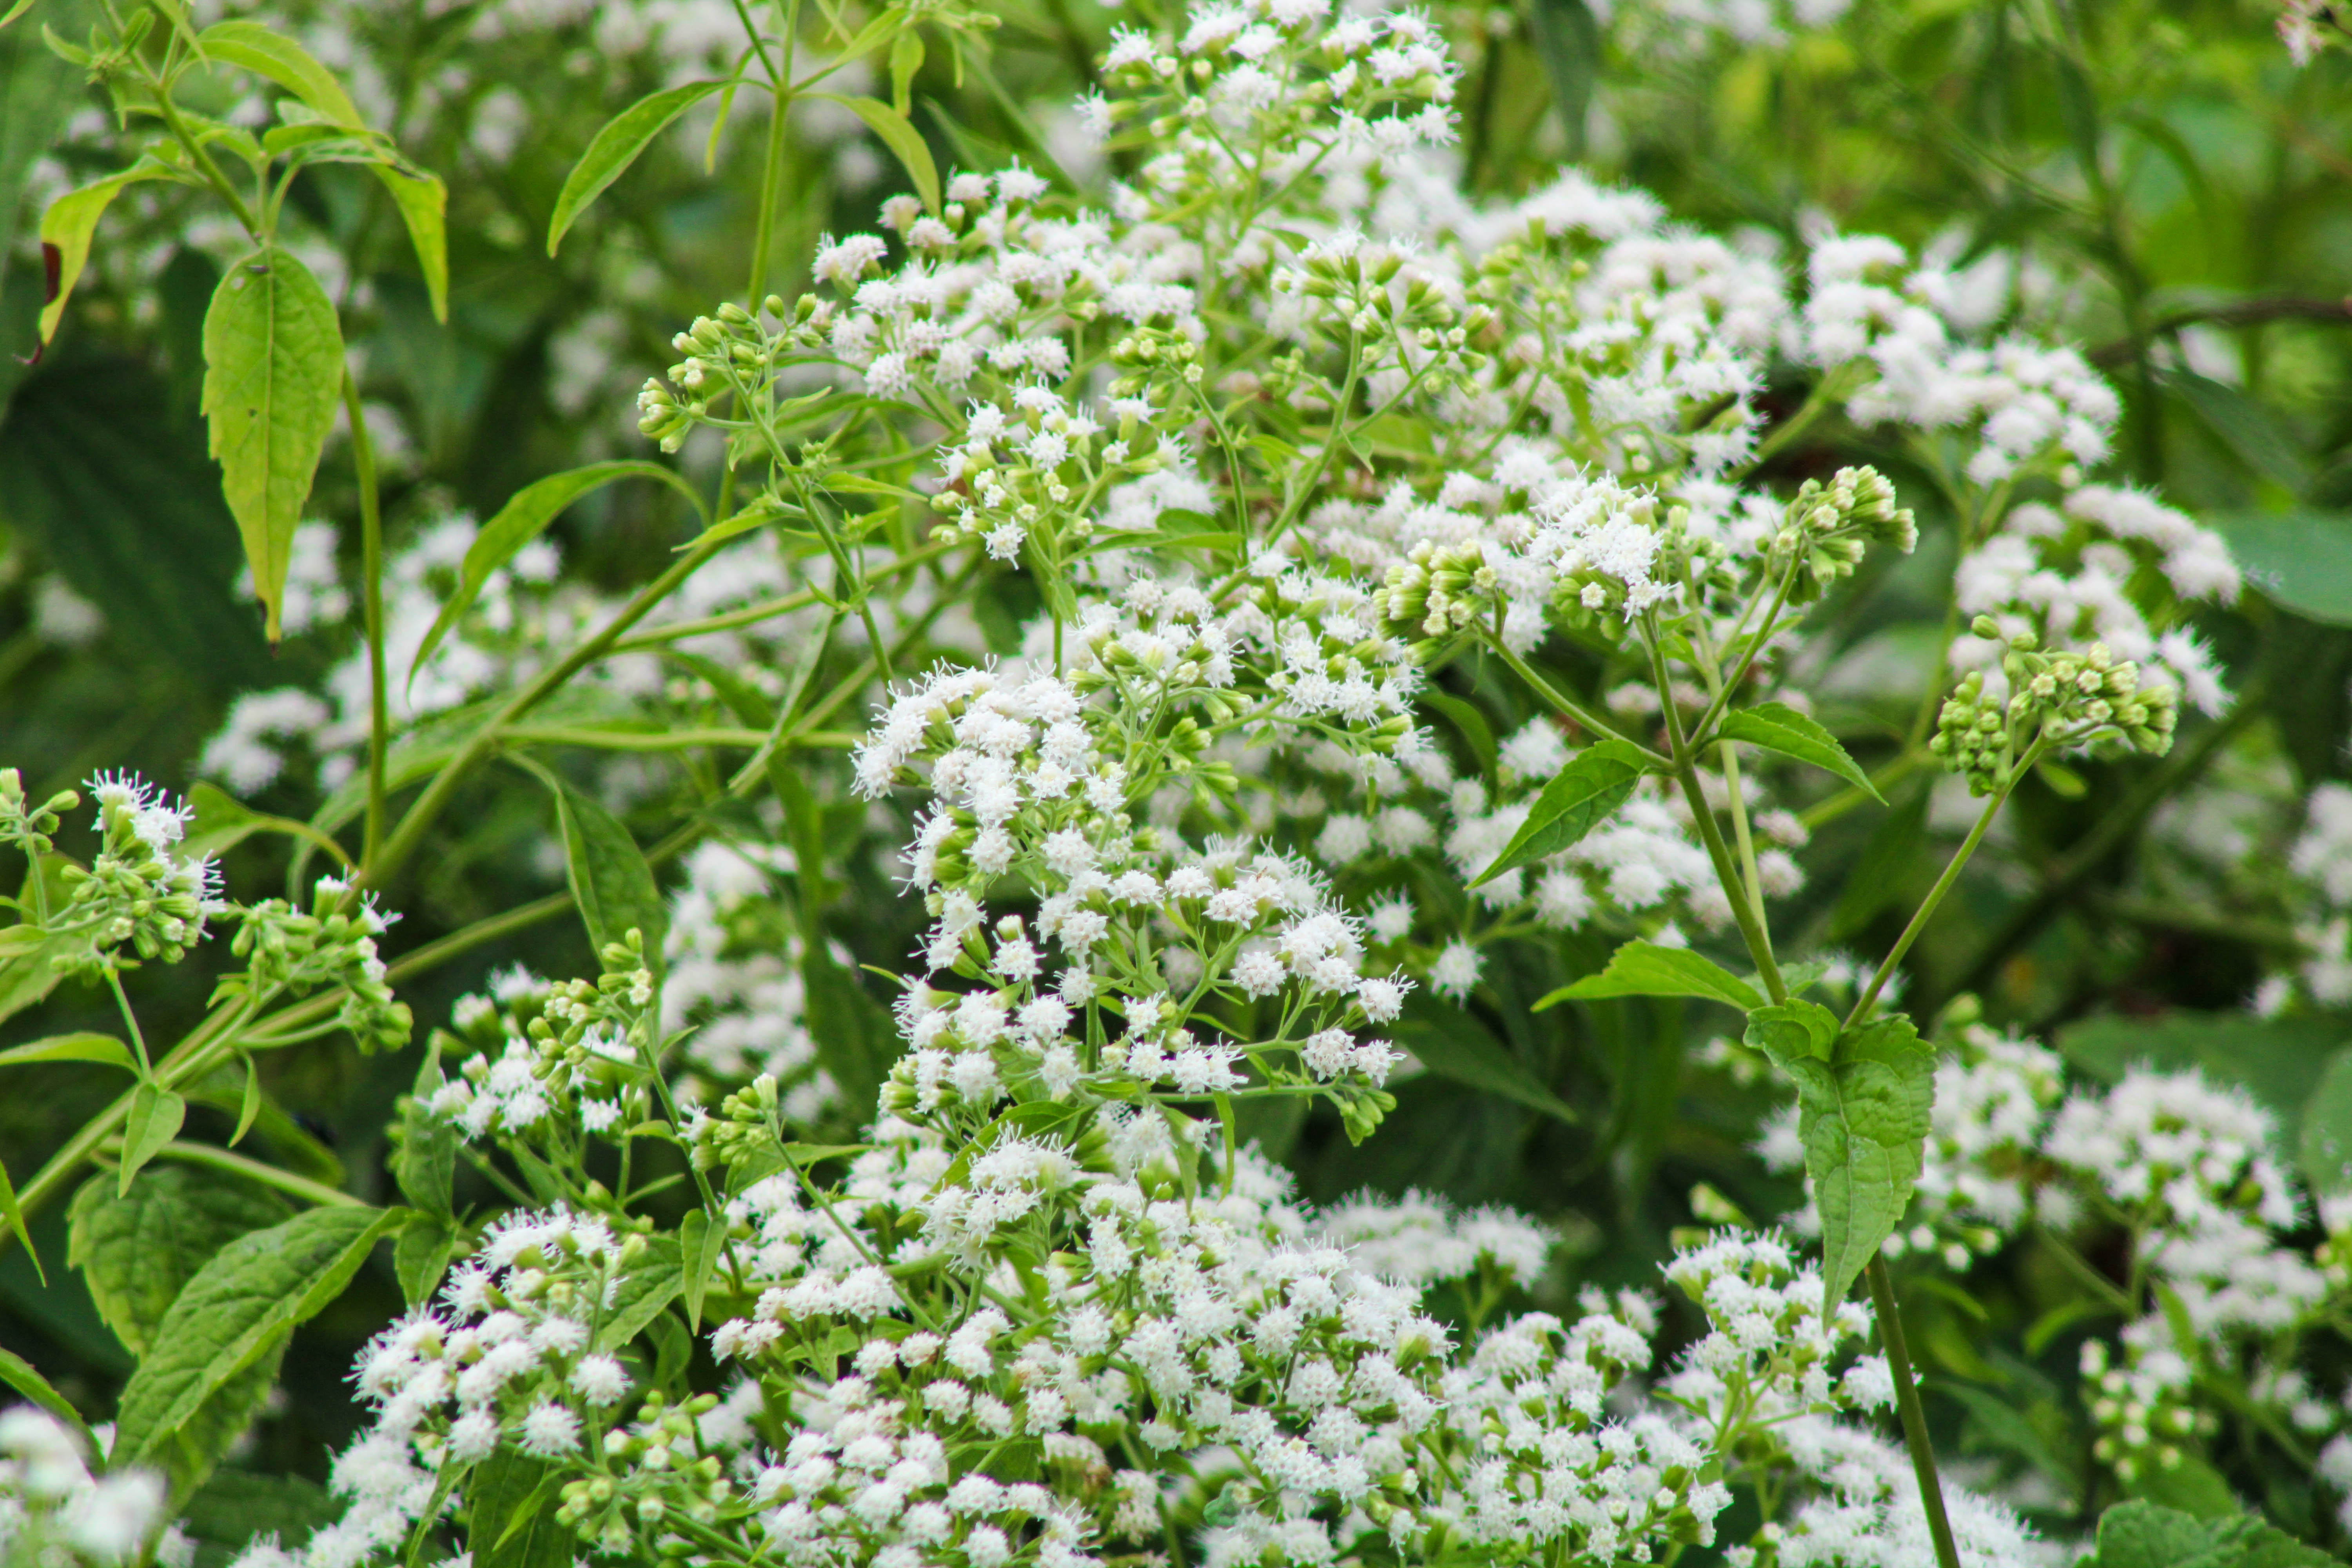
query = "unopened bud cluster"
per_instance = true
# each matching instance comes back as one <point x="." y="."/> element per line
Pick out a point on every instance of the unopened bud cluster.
<point x="717" y="351"/>
<point x="1438" y="590"/>
<point x="1827" y="528"/>
<point x="289" y="950"/>
<point x="2067" y="699"/>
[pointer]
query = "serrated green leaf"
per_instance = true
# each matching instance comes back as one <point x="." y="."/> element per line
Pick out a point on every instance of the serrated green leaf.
<point x="1777" y="727"/>
<point x="611" y="883"/>
<point x="2144" y="1534"/>
<point x="1862" y="1103"/>
<point x="423" y="202"/>
<point x="84" y="1046"/>
<point x="617" y="146"/>
<point x="897" y="133"/>
<point x="646" y="1286"/>
<point x="1645" y="969"/>
<point x="273" y="375"/>
<point x="427" y="1168"/>
<point x="237" y="1505"/>
<point x="137" y="1251"/>
<point x="1580" y="797"/>
<point x="523" y="519"/>
<point x="69" y="225"/>
<point x="153" y="1120"/>
<point x="249" y="46"/>
<point x="421" y="1257"/>
<point x="241" y="1306"/>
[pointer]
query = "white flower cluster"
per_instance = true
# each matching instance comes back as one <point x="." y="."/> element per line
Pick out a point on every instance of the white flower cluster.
<point x="55" y="1514"/>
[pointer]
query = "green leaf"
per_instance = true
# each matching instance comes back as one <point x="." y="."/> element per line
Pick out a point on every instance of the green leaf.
<point x="2280" y="1061"/>
<point x="1580" y="797"/>
<point x="273" y="374"/>
<point x="897" y="133"/>
<point x="1777" y="727"/>
<point x="421" y="1257"/>
<point x="523" y="519"/>
<point x="251" y="46"/>
<point x="2325" y="1144"/>
<point x="67" y="228"/>
<point x="18" y="1374"/>
<point x="856" y="1039"/>
<point x="906" y="59"/>
<point x="1645" y="969"/>
<point x="2141" y="1534"/>
<point x="81" y="1048"/>
<point x="617" y="146"/>
<point x="221" y="822"/>
<point x="611" y="883"/>
<point x="423" y="201"/>
<point x="2259" y="438"/>
<point x="1453" y="1044"/>
<point x="153" y="1120"/>
<point x="12" y="1212"/>
<point x="241" y="1306"/>
<point x="1862" y="1099"/>
<point x="2301" y="561"/>
<point x="511" y="1525"/>
<point x="237" y="1505"/>
<point x="426" y="1166"/>
<point x="645" y="1287"/>
<point x="1473" y="725"/>
<point x="699" y="1245"/>
<point x="136" y="1251"/>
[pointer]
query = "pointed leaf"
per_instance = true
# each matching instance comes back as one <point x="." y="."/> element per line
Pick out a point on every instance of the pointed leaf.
<point x="1580" y="797"/>
<point x="699" y="1245"/>
<point x="617" y="146"/>
<point x="273" y="373"/>
<point x="221" y="822"/>
<point x="18" y="1374"/>
<point x="611" y="883"/>
<point x="646" y="1286"/>
<point x="1453" y="1044"/>
<point x="13" y="1213"/>
<point x="241" y="1306"/>
<point x="423" y="201"/>
<point x="81" y="1048"/>
<point x="524" y="516"/>
<point x="897" y="133"/>
<point x="67" y="228"/>
<point x="153" y="1120"/>
<point x="137" y="1251"/>
<point x="427" y="1165"/>
<point x="421" y="1257"/>
<point x="511" y="1525"/>
<point x="249" y="46"/>
<point x="1862" y="1103"/>
<point x="1777" y="727"/>
<point x="1646" y="969"/>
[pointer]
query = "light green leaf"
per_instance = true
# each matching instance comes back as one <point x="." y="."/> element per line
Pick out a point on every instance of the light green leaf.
<point x="906" y="59"/>
<point x="524" y="516"/>
<point x="2143" y="1535"/>
<point x="617" y="146"/>
<point x="699" y="1245"/>
<point x="423" y="201"/>
<point x="421" y="1257"/>
<point x="646" y="1286"/>
<point x="81" y="1048"/>
<point x="18" y="1374"/>
<point x="273" y="374"/>
<point x="136" y="1251"/>
<point x="1777" y="727"/>
<point x="2301" y="561"/>
<point x="69" y="225"/>
<point x="1862" y="1099"/>
<point x="900" y="135"/>
<point x="1578" y="798"/>
<point x="1645" y="969"/>
<point x="2326" y="1152"/>
<point x="13" y="1213"/>
<point x="241" y="1306"/>
<point x="511" y="1524"/>
<point x="153" y="1120"/>
<point x="251" y="46"/>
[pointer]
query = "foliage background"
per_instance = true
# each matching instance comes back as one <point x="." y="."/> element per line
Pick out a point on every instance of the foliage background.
<point x="2176" y="191"/>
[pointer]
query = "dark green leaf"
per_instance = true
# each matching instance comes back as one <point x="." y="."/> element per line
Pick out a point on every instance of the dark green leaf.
<point x="1645" y="969"/>
<point x="1877" y="877"/>
<point x="513" y="1523"/>
<point x="427" y="1162"/>
<point x="1568" y="40"/>
<point x="617" y="146"/>
<point x="645" y="1287"/>
<point x="1777" y="727"/>
<point x="273" y="375"/>
<point x="421" y="1257"/>
<point x="222" y="823"/>
<point x="699" y="1245"/>
<point x="900" y="135"/>
<point x="1473" y="725"/>
<point x="1578" y="798"/>
<point x="856" y="1040"/>
<point x="1862" y="1099"/>
<point x="611" y="882"/>
<point x="2259" y="438"/>
<point x="235" y="1507"/>
<point x="240" y="1306"/>
<point x="2279" y="1061"/>
<point x="1453" y="1044"/>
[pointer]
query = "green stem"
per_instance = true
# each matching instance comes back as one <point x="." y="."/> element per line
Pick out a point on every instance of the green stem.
<point x="1913" y="1419"/>
<point x="268" y="1175"/>
<point x="1569" y="707"/>
<point x="372" y="613"/>
<point x="1926" y="908"/>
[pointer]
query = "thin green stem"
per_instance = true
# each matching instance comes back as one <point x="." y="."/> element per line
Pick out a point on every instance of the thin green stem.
<point x="255" y="1170"/>
<point x="1913" y="1419"/>
<point x="372" y="613"/>
<point x="1569" y="707"/>
<point x="130" y="1019"/>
